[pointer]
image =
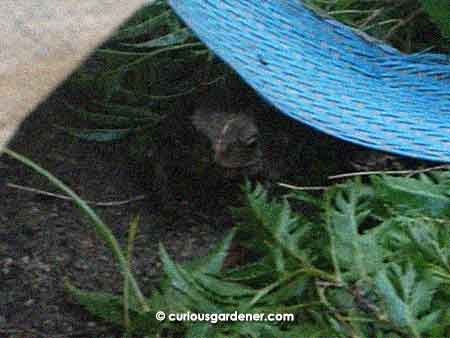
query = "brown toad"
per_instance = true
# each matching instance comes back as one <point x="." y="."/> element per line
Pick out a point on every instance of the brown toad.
<point x="200" y="156"/>
<point x="234" y="138"/>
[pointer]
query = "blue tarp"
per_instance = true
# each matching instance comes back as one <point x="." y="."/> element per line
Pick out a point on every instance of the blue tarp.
<point x="324" y="74"/>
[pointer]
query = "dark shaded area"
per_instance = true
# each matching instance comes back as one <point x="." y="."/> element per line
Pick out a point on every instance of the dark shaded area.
<point x="45" y="239"/>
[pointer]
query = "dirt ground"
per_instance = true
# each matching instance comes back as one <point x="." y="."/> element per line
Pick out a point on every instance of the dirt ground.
<point x="46" y="239"/>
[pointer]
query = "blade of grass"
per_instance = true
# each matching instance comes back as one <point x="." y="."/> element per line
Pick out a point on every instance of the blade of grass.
<point x="100" y="227"/>
<point x="126" y="288"/>
<point x="171" y="39"/>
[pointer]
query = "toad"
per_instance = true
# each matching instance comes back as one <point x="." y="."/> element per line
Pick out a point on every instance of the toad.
<point x="234" y="138"/>
<point x="205" y="154"/>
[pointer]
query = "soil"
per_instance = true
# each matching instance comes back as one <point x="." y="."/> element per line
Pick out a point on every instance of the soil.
<point x="45" y="240"/>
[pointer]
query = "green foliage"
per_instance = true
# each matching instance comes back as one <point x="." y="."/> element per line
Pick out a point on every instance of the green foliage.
<point x="145" y="72"/>
<point x="354" y="253"/>
<point x="373" y="260"/>
<point x="428" y="194"/>
<point x="407" y="297"/>
<point x="439" y="11"/>
<point x="410" y="25"/>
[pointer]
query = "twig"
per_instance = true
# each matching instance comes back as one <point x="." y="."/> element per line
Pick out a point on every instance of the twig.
<point x="381" y="23"/>
<point x="389" y="172"/>
<point x="350" y="11"/>
<point x="392" y="5"/>
<point x="294" y="187"/>
<point x="325" y="284"/>
<point x="371" y="17"/>
<point x="402" y="23"/>
<point x="64" y="197"/>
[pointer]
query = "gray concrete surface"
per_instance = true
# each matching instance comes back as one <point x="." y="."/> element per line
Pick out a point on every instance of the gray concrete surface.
<point x="43" y="41"/>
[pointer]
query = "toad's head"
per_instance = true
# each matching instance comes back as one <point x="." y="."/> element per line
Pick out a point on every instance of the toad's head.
<point x="237" y="147"/>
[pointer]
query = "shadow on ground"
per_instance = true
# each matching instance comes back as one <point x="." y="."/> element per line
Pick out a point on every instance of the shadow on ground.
<point x="46" y="239"/>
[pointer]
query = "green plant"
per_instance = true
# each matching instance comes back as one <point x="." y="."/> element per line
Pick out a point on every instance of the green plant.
<point x="145" y="72"/>
<point x="410" y="25"/>
<point x="439" y="11"/>
<point x="371" y="261"/>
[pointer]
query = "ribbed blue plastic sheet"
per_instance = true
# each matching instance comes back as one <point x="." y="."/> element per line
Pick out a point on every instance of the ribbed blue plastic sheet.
<point x="324" y="74"/>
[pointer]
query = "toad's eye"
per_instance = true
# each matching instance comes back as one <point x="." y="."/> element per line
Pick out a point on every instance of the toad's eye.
<point x="251" y="142"/>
